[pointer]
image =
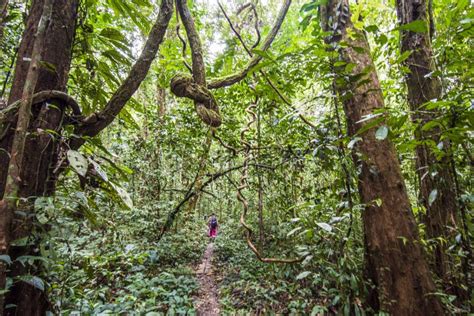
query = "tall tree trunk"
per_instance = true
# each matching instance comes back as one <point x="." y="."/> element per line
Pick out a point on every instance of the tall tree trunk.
<point x="57" y="52"/>
<point x="36" y="168"/>
<point x="40" y="148"/>
<point x="395" y="259"/>
<point x="161" y="99"/>
<point x="158" y="160"/>
<point x="11" y="200"/>
<point x="434" y="175"/>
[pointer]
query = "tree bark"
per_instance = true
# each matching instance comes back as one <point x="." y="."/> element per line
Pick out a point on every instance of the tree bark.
<point x="57" y="52"/>
<point x="40" y="147"/>
<point x="161" y="99"/>
<point x="422" y="88"/>
<point x="10" y="200"/>
<point x="395" y="259"/>
<point x="207" y="108"/>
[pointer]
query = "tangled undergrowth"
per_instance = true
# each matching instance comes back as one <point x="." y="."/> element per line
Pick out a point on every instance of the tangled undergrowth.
<point x="250" y="286"/>
<point x="107" y="272"/>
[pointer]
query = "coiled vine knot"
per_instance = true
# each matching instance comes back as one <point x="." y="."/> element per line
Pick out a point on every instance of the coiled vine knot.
<point x="183" y="86"/>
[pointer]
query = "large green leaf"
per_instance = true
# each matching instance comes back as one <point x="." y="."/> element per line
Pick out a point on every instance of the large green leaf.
<point x="325" y="226"/>
<point x="6" y="259"/>
<point x="418" y="26"/>
<point x="78" y="162"/>
<point x="303" y="275"/>
<point x="124" y="196"/>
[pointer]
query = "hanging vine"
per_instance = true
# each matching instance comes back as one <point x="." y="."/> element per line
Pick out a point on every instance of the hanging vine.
<point x="196" y="87"/>
<point x="252" y="117"/>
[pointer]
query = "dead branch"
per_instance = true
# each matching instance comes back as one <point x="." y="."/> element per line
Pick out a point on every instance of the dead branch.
<point x="232" y="149"/>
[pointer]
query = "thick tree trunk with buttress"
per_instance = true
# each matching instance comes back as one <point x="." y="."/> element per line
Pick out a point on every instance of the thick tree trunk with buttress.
<point x="395" y="259"/>
<point x="422" y="87"/>
<point x="41" y="148"/>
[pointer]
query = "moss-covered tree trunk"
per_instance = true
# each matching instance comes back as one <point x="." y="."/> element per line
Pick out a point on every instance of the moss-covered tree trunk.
<point x="395" y="260"/>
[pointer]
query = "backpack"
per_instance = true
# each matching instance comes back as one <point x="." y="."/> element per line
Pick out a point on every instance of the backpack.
<point x="213" y="222"/>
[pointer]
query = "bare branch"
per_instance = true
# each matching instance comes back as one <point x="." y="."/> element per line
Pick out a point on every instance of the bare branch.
<point x="232" y="149"/>
<point x="234" y="78"/>
<point x="263" y="73"/>
<point x="243" y="7"/>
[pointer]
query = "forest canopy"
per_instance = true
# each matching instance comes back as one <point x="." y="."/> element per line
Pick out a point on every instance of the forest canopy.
<point x="253" y="157"/>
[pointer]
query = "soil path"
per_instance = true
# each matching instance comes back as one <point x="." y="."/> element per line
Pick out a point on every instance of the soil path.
<point x="207" y="301"/>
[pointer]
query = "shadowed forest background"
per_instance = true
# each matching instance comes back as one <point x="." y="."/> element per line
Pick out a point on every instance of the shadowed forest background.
<point x="332" y="139"/>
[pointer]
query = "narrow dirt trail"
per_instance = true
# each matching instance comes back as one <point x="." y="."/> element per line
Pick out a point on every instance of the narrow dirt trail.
<point x="207" y="301"/>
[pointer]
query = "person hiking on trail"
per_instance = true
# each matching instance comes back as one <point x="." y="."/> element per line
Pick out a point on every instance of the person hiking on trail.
<point x="213" y="226"/>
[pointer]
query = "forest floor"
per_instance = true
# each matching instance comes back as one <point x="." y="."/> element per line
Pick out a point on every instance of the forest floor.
<point x="207" y="300"/>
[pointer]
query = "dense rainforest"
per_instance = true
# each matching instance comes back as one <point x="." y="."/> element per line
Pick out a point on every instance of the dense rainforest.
<point x="244" y="157"/>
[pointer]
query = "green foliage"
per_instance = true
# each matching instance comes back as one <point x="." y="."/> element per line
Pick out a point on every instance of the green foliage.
<point x="323" y="282"/>
<point x="108" y="270"/>
<point x="100" y="252"/>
